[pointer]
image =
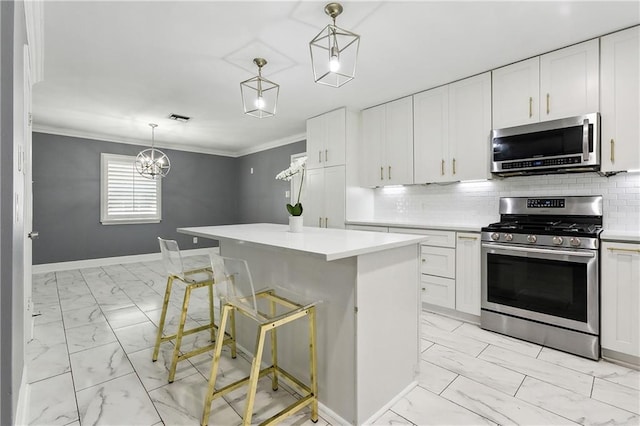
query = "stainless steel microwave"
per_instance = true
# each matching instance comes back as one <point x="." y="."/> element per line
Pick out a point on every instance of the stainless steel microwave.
<point x="568" y="144"/>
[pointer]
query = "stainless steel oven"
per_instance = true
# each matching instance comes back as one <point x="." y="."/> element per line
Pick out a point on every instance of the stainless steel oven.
<point x="540" y="273"/>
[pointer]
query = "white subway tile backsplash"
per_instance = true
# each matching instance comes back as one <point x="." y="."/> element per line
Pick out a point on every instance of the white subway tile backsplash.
<point x="476" y="203"/>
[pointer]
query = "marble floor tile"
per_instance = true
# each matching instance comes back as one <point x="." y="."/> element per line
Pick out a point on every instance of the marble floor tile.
<point x="43" y="314"/>
<point x="439" y="321"/>
<point x="579" y="408"/>
<point x="497" y="406"/>
<point x="602" y="369"/>
<point x="116" y="301"/>
<point x="422" y="407"/>
<point x="267" y="402"/>
<point x="138" y="336"/>
<point x="83" y="316"/>
<point x="506" y="342"/>
<point x="123" y="317"/>
<point x="548" y="372"/>
<point x="45" y="361"/>
<point x="52" y="401"/>
<point x="121" y="401"/>
<point x="495" y="376"/>
<point x="434" y="378"/>
<point x="182" y="403"/>
<point x="89" y="336"/>
<point x="230" y="370"/>
<point x="424" y="345"/>
<point x="49" y="333"/>
<point x="46" y="299"/>
<point x="98" y="365"/>
<point x="389" y="418"/>
<point x="69" y="303"/>
<point x="617" y="395"/>
<point x="156" y="374"/>
<point x="460" y="343"/>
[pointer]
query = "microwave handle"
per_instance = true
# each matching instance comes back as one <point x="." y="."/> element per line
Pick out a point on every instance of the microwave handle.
<point x="585" y="140"/>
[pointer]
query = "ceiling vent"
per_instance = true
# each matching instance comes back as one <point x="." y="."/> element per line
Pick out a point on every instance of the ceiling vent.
<point x="180" y="118"/>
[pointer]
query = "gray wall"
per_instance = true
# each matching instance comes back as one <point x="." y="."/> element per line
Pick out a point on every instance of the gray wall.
<point x="200" y="190"/>
<point x="261" y="196"/>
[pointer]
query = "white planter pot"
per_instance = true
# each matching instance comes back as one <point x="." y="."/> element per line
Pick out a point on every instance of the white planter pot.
<point x="295" y="223"/>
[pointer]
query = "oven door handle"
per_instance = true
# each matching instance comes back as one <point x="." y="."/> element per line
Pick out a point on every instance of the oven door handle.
<point x="544" y="251"/>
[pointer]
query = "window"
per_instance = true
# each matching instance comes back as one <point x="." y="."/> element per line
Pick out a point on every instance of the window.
<point x="125" y="196"/>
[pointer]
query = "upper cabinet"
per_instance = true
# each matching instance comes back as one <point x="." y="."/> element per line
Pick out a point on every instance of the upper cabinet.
<point x="620" y="100"/>
<point x="568" y="86"/>
<point x="387" y="144"/>
<point x="326" y="139"/>
<point x="452" y="125"/>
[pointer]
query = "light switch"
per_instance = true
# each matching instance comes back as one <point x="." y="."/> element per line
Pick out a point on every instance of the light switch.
<point x="287" y="194"/>
<point x="195" y="240"/>
<point x="252" y="170"/>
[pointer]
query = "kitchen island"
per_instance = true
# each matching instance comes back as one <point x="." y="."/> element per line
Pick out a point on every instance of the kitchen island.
<point x="368" y="321"/>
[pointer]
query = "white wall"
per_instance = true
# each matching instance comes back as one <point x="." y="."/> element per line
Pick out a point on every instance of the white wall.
<point x="476" y="203"/>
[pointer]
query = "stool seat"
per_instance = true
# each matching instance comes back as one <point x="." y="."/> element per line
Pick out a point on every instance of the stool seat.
<point x="193" y="279"/>
<point x="235" y="286"/>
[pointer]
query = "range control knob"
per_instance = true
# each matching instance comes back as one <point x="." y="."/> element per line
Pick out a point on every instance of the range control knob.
<point x="557" y="240"/>
<point x="495" y="236"/>
<point x="508" y="237"/>
<point x="575" y="241"/>
<point x="532" y="238"/>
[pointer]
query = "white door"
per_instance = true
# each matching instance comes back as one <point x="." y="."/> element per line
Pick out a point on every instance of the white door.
<point x="313" y="214"/>
<point x="371" y="147"/>
<point x="516" y="93"/>
<point x="335" y="144"/>
<point x="316" y="138"/>
<point x="398" y="151"/>
<point x="334" y="197"/>
<point x="468" y="273"/>
<point x="431" y="134"/>
<point x="24" y="168"/>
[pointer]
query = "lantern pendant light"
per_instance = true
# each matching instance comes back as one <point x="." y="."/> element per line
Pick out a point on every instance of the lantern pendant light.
<point x="152" y="163"/>
<point x="334" y="52"/>
<point x="259" y="95"/>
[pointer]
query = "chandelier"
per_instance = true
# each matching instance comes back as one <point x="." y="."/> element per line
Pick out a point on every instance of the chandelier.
<point x="334" y="52"/>
<point x="259" y="95"/>
<point x="152" y="163"/>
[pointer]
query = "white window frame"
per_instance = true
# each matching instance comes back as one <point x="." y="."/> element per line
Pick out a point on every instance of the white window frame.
<point x="131" y="218"/>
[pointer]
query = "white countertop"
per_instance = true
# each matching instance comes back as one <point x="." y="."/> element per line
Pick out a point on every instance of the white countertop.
<point x="622" y="236"/>
<point x="332" y="244"/>
<point x="419" y="225"/>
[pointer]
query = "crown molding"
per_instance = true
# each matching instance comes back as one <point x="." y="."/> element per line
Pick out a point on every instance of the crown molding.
<point x="188" y="148"/>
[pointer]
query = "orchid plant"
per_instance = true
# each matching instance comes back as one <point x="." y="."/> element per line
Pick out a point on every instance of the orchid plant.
<point x="297" y="166"/>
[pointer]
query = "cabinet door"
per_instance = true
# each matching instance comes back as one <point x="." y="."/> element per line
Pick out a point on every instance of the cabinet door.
<point x="516" y="91"/>
<point x="313" y="214"/>
<point x="334" y="197"/>
<point x="438" y="261"/>
<point x="620" y="297"/>
<point x="431" y="134"/>
<point x="620" y="100"/>
<point x="438" y="291"/>
<point x="373" y="130"/>
<point x="399" y="142"/>
<point x="316" y="139"/>
<point x="335" y="144"/>
<point x="469" y="127"/>
<point x="569" y="81"/>
<point x="468" y="273"/>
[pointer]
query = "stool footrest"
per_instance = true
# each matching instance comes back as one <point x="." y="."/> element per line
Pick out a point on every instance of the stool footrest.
<point x="203" y="349"/>
<point x="288" y="411"/>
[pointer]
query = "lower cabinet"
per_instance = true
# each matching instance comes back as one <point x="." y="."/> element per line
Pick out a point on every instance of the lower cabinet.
<point x="620" y="298"/>
<point x="325" y="197"/>
<point x="468" y="273"/>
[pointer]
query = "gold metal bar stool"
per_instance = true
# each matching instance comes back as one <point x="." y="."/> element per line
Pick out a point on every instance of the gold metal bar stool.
<point x="196" y="278"/>
<point x="237" y="293"/>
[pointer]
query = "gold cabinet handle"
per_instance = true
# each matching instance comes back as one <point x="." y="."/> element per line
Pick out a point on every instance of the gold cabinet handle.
<point x="454" y="166"/>
<point x="624" y="250"/>
<point x="326" y="222"/>
<point x="548" y="103"/>
<point x="530" y="107"/>
<point x="613" y="146"/>
<point x="320" y="156"/>
<point x="463" y="237"/>
<point x="424" y="260"/>
<point x="381" y="173"/>
<point x="326" y="155"/>
<point x="320" y="222"/>
<point x="442" y="168"/>
<point x="389" y="173"/>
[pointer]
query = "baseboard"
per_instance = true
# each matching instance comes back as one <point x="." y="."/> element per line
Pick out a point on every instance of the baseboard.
<point x="22" y="411"/>
<point x="390" y="404"/>
<point x="451" y="313"/>
<point x="626" y="360"/>
<point x="105" y="261"/>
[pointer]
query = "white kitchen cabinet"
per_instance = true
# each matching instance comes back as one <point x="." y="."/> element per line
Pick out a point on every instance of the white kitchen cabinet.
<point x="620" y="100"/>
<point x="516" y="93"/>
<point x="569" y="81"/>
<point x="326" y="139"/>
<point x="438" y="291"/>
<point x="559" y="84"/>
<point x="439" y="261"/>
<point x="325" y="197"/>
<point x="468" y="273"/>
<point x="387" y="144"/>
<point x="620" y="298"/>
<point x="452" y="125"/>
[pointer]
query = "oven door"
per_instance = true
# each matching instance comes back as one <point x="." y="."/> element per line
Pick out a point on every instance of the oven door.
<point x="553" y="286"/>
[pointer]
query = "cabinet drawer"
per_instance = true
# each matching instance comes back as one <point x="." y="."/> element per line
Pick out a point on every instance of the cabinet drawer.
<point x="439" y="291"/>
<point x="438" y="261"/>
<point x="434" y="237"/>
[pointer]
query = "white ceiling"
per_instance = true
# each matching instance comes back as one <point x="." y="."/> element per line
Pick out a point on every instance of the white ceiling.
<point x="111" y="68"/>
